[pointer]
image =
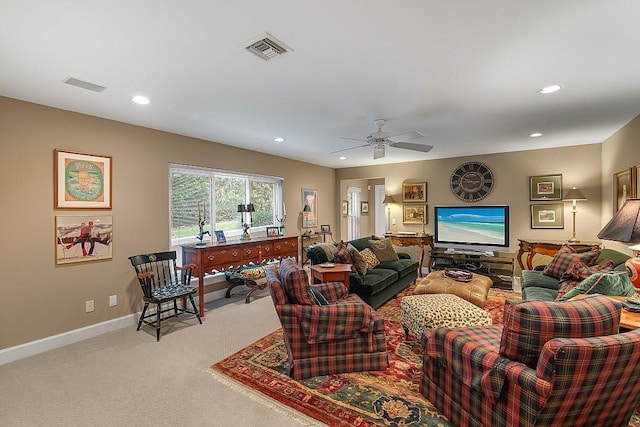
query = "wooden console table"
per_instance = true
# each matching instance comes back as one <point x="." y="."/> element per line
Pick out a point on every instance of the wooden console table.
<point x="214" y="258"/>
<point x="549" y="248"/>
<point x="412" y="240"/>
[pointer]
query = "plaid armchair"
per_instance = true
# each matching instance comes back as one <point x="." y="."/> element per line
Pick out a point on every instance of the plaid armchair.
<point x="550" y="364"/>
<point x="326" y="330"/>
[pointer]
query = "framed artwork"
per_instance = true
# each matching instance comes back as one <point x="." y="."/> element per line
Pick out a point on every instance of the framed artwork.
<point x="83" y="238"/>
<point x="414" y="213"/>
<point x="81" y="181"/>
<point x="220" y="237"/>
<point x="325" y="228"/>
<point x="273" y="231"/>
<point x="345" y="208"/>
<point x="309" y="207"/>
<point x="550" y="215"/>
<point x="545" y="187"/>
<point x="623" y="187"/>
<point x="364" y="207"/>
<point x="414" y="192"/>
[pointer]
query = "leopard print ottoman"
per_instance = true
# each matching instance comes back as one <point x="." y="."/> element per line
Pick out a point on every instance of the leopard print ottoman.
<point x="420" y="312"/>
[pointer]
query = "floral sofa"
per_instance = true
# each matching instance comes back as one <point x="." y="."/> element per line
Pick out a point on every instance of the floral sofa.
<point x="375" y="282"/>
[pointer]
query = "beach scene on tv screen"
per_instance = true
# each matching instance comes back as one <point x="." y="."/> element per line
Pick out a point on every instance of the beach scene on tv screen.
<point x="463" y="225"/>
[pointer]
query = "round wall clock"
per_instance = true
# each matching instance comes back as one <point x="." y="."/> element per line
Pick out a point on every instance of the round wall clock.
<point x="471" y="181"/>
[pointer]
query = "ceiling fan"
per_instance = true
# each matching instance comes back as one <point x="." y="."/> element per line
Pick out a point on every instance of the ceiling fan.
<point x="379" y="140"/>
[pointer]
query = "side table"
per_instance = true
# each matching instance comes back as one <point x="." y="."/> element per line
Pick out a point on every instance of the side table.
<point x="333" y="273"/>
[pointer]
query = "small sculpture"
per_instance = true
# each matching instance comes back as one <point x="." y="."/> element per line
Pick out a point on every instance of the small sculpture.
<point x="202" y="219"/>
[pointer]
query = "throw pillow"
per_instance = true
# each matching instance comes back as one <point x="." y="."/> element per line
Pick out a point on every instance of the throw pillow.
<point x="579" y="272"/>
<point x="357" y="260"/>
<point x="329" y="250"/>
<point x="318" y="297"/>
<point x="342" y="255"/>
<point x="566" y="258"/>
<point x="296" y="282"/>
<point x="383" y="250"/>
<point x="528" y="325"/>
<point x="369" y="258"/>
<point x="615" y="283"/>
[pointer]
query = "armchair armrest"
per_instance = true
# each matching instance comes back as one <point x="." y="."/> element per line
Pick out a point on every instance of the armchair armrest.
<point x="403" y="255"/>
<point x="332" y="291"/>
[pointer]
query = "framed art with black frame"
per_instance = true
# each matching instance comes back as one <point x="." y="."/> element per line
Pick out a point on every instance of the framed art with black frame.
<point x="545" y="187"/>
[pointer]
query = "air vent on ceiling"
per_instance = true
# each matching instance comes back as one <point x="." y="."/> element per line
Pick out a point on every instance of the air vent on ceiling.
<point x="267" y="47"/>
<point x="84" y="85"/>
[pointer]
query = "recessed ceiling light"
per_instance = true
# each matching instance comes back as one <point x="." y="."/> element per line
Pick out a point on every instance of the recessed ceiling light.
<point x="550" y="89"/>
<point x="342" y="158"/>
<point x="139" y="99"/>
<point x="535" y="135"/>
<point x="278" y="139"/>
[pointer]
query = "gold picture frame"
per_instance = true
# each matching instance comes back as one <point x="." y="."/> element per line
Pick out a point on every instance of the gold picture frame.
<point x="414" y="192"/>
<point x="414" y="213"/>
<point x="623" y="187"/>
<point x="81" y="181"/>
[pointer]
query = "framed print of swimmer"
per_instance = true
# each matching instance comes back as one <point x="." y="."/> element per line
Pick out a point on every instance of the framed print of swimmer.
<point x="82" y="181"/>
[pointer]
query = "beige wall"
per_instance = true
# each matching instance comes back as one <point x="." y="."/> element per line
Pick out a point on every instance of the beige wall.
<point x="42" y="299"/>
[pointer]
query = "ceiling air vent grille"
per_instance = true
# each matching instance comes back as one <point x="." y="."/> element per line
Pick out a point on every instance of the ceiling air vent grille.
<point x="84" y="85"/>
<point x="267" y="47"/>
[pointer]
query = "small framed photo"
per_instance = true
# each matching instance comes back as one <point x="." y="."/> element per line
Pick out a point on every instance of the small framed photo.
<point x="273" y="231"/>
<point x="325" y="228"/>
<point x="545" y="187"/>
<point x="220" y="237"/>
<point x="345" y="208"/>
<point x="82" y="181"/>
<point x="549" y="215"/>
<point x="83" y="238"/>
<point x="414" y="213"/>
<point x="414" y="192"/>
<point x="364" y="207"/>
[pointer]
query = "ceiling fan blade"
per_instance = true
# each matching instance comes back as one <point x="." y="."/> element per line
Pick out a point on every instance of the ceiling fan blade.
<point x="406" y="136"/>
<point x="350" y="148"/>
<point x="378" y="152"/>
<point x="411" y="146"/>
<point x="353" y="139"/>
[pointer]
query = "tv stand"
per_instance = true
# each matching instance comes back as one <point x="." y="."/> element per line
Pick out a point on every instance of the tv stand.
<point x="499" y="268"/>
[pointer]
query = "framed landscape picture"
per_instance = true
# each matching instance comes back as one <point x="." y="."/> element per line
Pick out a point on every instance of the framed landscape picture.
<point x="81" y="181"/>
<point x="545" y="187"/>
<point x="83" y="238"/>
<point x="414" y="213"/>
<point x="550" y="215"/>
<point x="414" y="192"/>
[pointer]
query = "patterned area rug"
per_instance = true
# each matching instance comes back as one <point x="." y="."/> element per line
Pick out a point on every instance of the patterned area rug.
<point x="389" y="398"/>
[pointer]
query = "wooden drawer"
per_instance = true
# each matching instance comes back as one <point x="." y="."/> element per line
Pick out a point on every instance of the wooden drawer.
<point x="250" y="253"/>
<point x="217" y="257"/>
<point x="286" y="246"/>
<point x="267" y="250"/>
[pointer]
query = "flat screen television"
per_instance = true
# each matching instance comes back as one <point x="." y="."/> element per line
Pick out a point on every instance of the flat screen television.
<point x="472" y="228"/>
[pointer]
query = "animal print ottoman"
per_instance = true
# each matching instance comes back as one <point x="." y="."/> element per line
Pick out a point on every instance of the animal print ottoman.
<point x="420" y="312"/>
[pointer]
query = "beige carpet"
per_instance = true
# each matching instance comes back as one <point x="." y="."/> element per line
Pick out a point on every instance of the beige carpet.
<point x="126" y="378"/>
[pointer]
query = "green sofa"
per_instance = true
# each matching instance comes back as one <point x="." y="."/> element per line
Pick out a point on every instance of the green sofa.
<point x="537" y="286"/>
<point x="379" y="284"/>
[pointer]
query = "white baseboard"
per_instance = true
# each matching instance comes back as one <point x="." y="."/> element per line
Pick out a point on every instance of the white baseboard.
<point x="32" y="348"/>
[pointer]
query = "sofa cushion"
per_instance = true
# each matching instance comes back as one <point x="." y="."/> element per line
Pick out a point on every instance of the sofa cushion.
<point x="357" y="260"/>
<point x="528" y="325"/>
<point x="404" y="267"/>
<point x="370" y="258"/>
<point x="383" y="250"/>
<point x="610" y="283"/>
<point x="532" y="278"/>
<point x="374" y="281"/>
<point x="533" y="293"/>
<point x="565" y="258"/>
<point x="618" y="258"/>
<point x="342" y="255"/>
<point x="296" y="282"/>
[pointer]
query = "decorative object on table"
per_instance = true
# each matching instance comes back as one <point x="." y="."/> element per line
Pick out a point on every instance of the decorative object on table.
<point x="545" y="187"/>
<point x="414" y="192"/>
<point x="364" y="207"/>
<point x="220" y="237"/>
<point x="325" y="228"/>
<point x="309" y="207"/>
<point x="345" y="208"/>
<point x="282" y="219"/>
<point x="471" y="181"/>
<point x="388" y="201"/>
<point x="550" y="215"/>
<point x="625" y="227"/>
<point x="414" y="213"/>
<point x="623" y="188"/>
<point x="458" y="275"/>
<point x="250" y="209"/>
<point x="574" y="195"/>
<point x="202" y="220"/>
<point x="83" y="238"/>
<point x="273" y="231"/>
<point x="82" y="181"/>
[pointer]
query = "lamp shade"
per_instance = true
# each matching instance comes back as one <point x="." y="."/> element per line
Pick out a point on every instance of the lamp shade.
<point x="574" y="194"/>
<point x="388" y="199"/>
<point x="251" y="208"/>
<point x="625" y="225"/>
<point x="306" y="208"/>
<point x="242" y="208"/>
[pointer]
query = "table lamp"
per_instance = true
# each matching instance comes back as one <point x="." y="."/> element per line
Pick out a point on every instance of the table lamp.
<point x="574" y="195"/>
<point x="245" y="227"/>
<point x="388" y="200"/>
<point x="625" y="227"/>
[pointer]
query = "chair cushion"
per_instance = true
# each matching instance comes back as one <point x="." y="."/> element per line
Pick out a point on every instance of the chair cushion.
<point x="383" y="250"/>
<point x="172" y="291"/>
<point x="528" y="325"/>
<point x="295" y="282"/>
<point x="609" y="283"/>
<point x="565" y="258"/>
<point x="370" y="258"/>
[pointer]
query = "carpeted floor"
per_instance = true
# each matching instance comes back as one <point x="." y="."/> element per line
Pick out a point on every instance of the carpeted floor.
<point x="389" y="398"/>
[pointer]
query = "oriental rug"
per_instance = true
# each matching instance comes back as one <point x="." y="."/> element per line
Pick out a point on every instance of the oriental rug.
<point x="388" y="398"/>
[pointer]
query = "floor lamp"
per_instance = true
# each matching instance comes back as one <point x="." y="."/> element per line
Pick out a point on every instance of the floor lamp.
<point x="388" y="200"/>
<point x="574" y="195"/>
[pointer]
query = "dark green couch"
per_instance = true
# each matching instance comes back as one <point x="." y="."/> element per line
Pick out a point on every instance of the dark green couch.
<point x="537" y="286"/>
<point x="381" y="283"/>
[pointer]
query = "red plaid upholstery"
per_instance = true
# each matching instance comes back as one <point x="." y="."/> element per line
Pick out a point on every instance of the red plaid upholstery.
<point x="577" y="273"/>
<point x="591" y="381"/>
<point x="296" y="282"/>
<point x="565" y="258"/>
<point x="345" y="336"/>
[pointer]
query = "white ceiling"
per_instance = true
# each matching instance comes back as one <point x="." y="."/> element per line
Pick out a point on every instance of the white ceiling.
<point x="465" y="73"/>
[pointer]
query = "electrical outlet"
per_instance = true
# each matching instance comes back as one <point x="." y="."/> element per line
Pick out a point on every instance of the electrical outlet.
<point x="393" y="221"/>
<point x="113" y="300"/>
<point x="88" y="306"/>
